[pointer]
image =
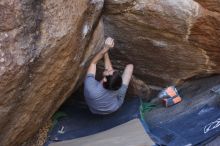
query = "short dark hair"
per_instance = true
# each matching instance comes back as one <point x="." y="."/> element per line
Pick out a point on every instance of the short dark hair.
<point x="113" y="82"/>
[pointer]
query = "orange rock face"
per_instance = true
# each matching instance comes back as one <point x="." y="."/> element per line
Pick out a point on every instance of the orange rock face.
<point x="44" y="49"/>
<point x="167" y="41"/>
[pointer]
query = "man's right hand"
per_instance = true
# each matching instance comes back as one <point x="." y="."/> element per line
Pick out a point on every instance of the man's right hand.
<point x="109" y="43"/>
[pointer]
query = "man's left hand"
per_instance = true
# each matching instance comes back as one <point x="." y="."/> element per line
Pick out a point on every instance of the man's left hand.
<point x="109" y="42"/>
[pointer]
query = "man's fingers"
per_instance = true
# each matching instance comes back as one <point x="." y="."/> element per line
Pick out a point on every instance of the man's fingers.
<point x="112" y="42"/>
<point x="109" y="39"/>
<point x="109" y="42"/>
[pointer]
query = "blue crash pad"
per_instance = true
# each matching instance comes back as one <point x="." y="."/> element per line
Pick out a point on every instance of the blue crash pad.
<point x="193" y="128"/>
<point x="195" y="121"/>
<point x="80" y="122"/>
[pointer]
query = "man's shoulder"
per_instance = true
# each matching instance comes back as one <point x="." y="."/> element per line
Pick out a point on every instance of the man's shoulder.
<point x="90" y="80"/>
<point x="90" y="75"/>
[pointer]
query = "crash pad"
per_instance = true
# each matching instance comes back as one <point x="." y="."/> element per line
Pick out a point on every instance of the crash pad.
<point x="194" y="121"/>
<point x="130" y="133"/>
<point x="214" y="142"/>
<point x="79" y="121"/>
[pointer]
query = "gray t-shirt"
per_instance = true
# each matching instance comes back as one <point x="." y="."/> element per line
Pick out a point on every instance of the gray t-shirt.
<point x="100" y="100"/>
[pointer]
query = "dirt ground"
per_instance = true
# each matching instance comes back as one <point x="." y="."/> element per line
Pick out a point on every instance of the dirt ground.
<point x="40" y="137"/>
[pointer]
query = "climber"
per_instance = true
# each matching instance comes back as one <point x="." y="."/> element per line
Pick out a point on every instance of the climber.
<point x="106" y="96"/>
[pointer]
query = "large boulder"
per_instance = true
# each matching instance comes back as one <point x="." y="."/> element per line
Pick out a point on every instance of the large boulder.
<point x="212" y="5"/>
<point x="168" y="41"/>
<point x="45" y="47"/>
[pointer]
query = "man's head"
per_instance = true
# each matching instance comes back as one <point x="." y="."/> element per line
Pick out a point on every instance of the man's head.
<point x="112" y="80"/>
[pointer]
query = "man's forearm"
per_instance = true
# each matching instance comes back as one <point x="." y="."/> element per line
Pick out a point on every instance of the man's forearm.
<point x="108" y="64"/>
<point x="109" y="43"/>
<point x="99" y="55"/>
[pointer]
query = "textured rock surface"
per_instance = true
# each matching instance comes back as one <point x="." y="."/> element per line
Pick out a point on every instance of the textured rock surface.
<point x="44" y="48"/>
<point x="168" y="41"/>
<point x="137" y="88"/>
<point x="212" y="5"/>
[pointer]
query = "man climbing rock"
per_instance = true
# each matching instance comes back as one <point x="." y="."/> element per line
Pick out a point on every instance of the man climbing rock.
<point x="106" y="96"/>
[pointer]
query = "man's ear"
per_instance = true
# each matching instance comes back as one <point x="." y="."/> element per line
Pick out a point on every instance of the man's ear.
<point x="104" y="79"/>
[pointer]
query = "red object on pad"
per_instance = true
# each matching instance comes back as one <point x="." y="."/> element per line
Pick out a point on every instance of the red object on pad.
<point x="170" y="96"/>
